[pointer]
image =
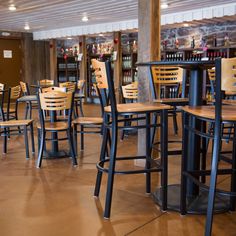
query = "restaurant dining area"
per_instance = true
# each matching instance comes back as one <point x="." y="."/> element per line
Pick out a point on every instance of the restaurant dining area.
<point x="118" y="117"/>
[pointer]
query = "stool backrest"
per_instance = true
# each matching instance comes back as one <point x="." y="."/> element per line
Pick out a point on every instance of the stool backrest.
<point x="45" y="82"/>
<point x="105" y="84"/>
<point x="55" y="101"/>
<point x="100" y="74"/>
<point x="129" y="92"/>
<point x="80" y="84"/>
<point x="228" y="75"/>
<point x="2" y="87"/>
<point x="70" y="86"/>
<point x="55" y="89"/>
<point x="24" y="88"/>
<point x="14" y="92"/>
<point x="165" y="81"/>
<point x="167" y="75"/>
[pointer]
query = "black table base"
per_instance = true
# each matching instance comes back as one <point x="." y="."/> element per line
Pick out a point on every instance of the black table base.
<point x="54" y="155"/>
<point x="196" y="205"/>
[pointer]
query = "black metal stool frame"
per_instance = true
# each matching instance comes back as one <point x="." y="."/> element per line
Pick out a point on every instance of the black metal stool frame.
<point x="113" y="126"/>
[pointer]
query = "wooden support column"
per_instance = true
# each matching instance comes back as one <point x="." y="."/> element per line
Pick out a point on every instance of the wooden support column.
<point x="117" y="65"/>
<point x="149" y="37"/>
<point x="83" y="63"/>
<point x="53" y="59"/>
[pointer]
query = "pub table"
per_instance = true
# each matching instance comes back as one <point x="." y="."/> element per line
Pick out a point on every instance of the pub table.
<point x="197" y="199"/>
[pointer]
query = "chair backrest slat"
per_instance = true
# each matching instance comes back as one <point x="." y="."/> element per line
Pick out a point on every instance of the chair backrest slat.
<point x="70" y="86"/>
<point x="55" y="101"/>
<point x="24" y="87"/>
<point x="51" y="89"/>
<point x="45" y="82"/>
<point x="130" y="92"/>
<point x="167" y="74"/>
<point x="15" y="92"/>
<point x="100" y="74"/>
<point x="228" y="74"/>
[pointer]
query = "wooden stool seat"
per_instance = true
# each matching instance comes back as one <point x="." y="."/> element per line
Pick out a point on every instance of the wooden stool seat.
<point x="228" y="112"/>
<point x="88" y="120"/>
<point x="169" y="101"/>
<point x="57" y="126"/>
<point x="138" y="107"/>
<point x="12" y="123"/>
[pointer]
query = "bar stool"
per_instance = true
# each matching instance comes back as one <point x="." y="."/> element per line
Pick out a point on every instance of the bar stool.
<point x="111" y="120"/>
<point x="219" y="115"/>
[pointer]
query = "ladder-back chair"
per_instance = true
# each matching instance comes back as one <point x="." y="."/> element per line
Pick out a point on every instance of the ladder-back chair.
<point x="52" y="102"/>
<point x="112" y="115"/>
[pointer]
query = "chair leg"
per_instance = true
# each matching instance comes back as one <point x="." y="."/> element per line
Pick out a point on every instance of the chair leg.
<point x="175" y="124"/>
<point x="70" y="140"/>
<point x="75" y="140"/>
<point x="81" y="107"/>
<point x="26" y="141"/>
<point x="204" y="151"/>
<point x="213" y="179"/>
<point x="41" y="148"/>
<point x="148" y="154"/>
<point x="32" y="137"/>
<point x="164" y="157"/>
<point x="102" y="157"/>
<point x="184" y="164"/>
<point x="26" y="110"/>
<point x="111" y="170"/>
<point x="5" y="140"/>
<point x="81" y="137"/>
<point x="233" y="176"/>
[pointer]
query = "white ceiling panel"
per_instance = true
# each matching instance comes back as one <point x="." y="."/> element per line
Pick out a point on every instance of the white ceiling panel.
<point x="44" y="15"/>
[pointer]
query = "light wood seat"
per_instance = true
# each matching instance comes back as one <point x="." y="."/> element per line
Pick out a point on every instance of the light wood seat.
<point x="228" y="112"/>
<point x="56" y="126"/>
<point x="229" y="102"/>
<point x="138" y="107"/>
<point x="170" y="101"/>
<point x="12" y="123"/>
<point x="88" y="120"/>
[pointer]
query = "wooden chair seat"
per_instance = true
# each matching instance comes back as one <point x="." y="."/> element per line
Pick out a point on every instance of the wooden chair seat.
<point x="138" y="107"/>
<point x="12" y="123"/>
<point x="229" y="102"/>
<point x="173" y="101"/>
<point x="208" y="112"/>
<point x="88" y="120"/>
<point x="57" y="126"/>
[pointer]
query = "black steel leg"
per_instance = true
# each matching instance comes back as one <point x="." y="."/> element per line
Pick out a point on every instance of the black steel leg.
<point x="164" y="157"/>
<point x="40" y="154"/>
<point x="184" y="163"/>
<point x="75" y="139"/>
<point x="148" y="154"/>
<point x="81" y="137"/>
<point x="102" y="157"/>
<point x="111" y="170"/>
<point x="233" y="176"/>
<point x="32" y="137"/>
<point x="38" y="139"/>
<point x="5" y="140"/>
<point x="204" y="151"/>
<point x="70" y="140"/>
<point x="26" y="110"/>
<point x="26" y="141"/>
<point x="175" y="124"/>
<point x="213" y="179"/>
<point x="81" y="107"/>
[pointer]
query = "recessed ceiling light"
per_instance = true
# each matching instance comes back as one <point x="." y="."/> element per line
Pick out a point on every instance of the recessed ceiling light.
<point x="101" y="35"/>
<point x="69" y="38"/>
<point x="186" y="24"/>
<point x="26" y="27"/>
<point x="84" y="18"/>
<point x="12" y="7"/>
<point x="164" y="5"/>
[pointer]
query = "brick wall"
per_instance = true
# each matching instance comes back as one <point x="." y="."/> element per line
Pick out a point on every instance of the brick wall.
<point x="207" y="32"/>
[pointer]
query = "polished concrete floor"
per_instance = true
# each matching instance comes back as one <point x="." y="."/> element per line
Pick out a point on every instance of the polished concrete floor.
<point x="58" y="198"/>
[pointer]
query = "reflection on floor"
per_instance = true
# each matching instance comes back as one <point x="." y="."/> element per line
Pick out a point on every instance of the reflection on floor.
<point x="58" y="199"/>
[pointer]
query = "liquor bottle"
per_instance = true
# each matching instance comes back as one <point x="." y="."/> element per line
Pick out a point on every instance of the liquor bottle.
<point x="193" y="42"/>
<point x="226" y="40"/>
<point x="176" y="43"/>
<point x="215" y="41"/>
